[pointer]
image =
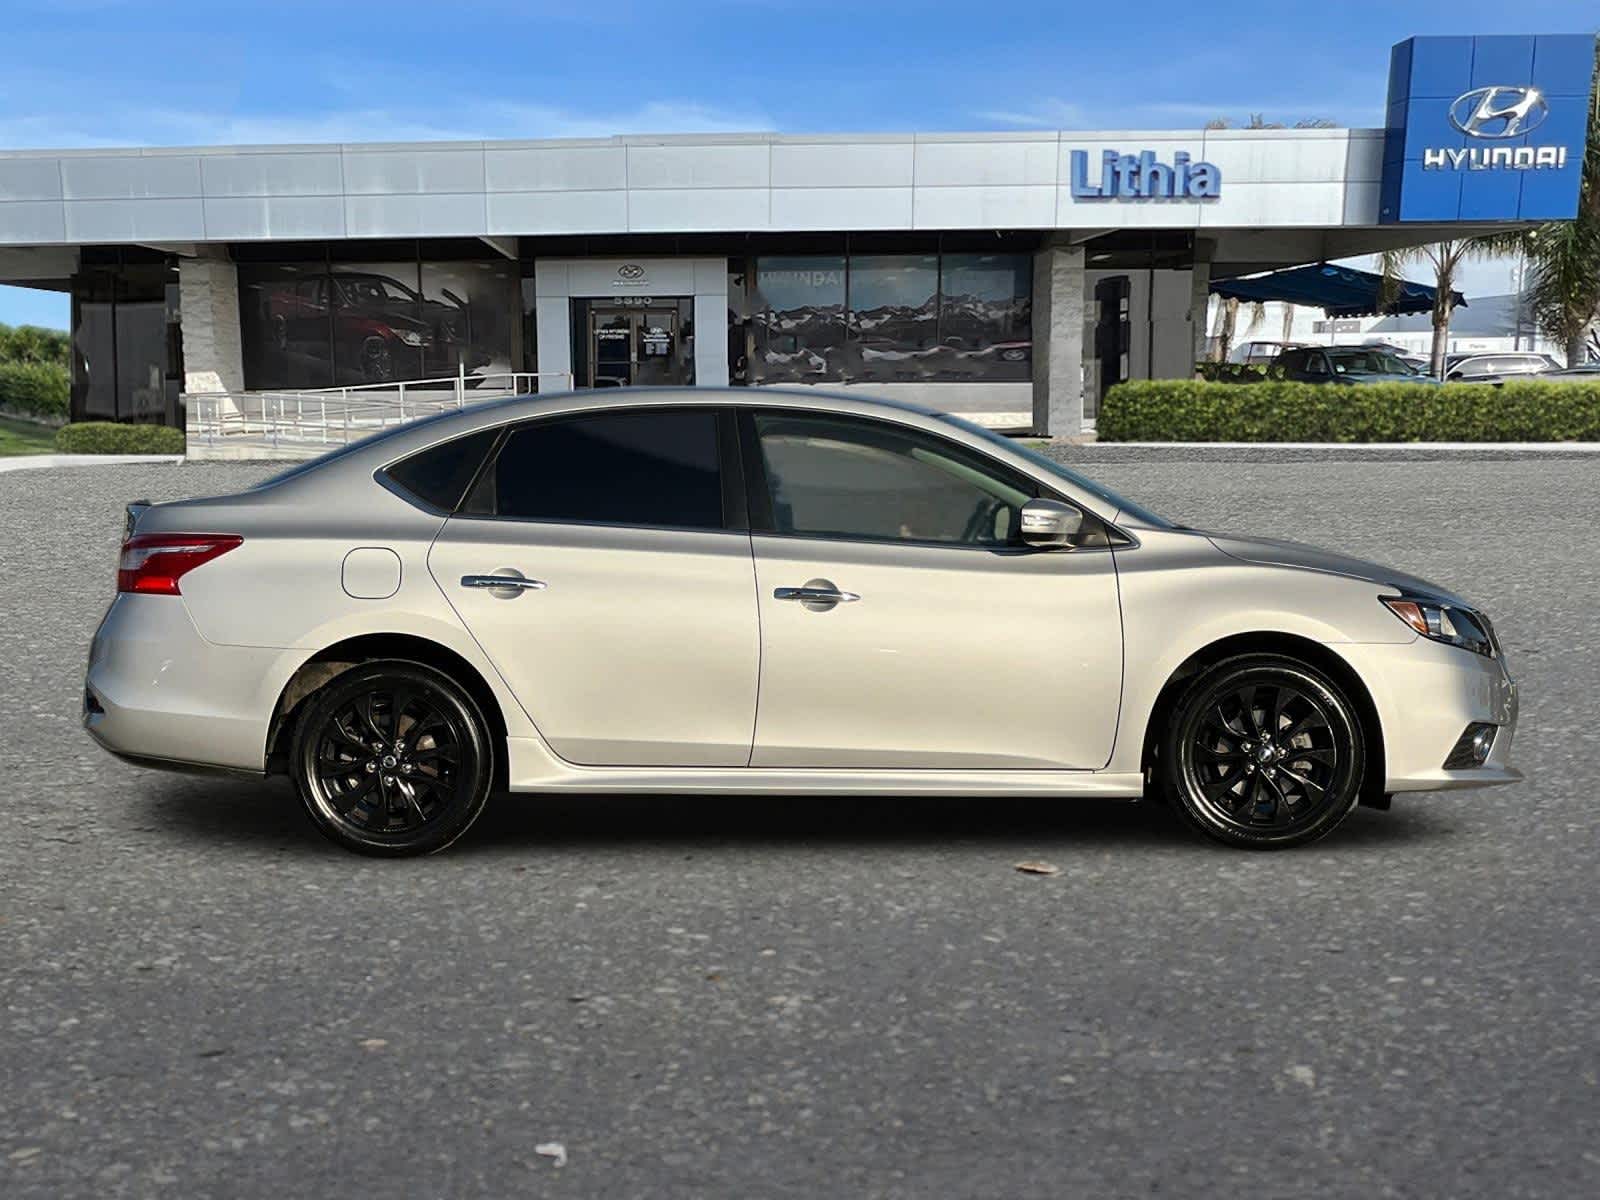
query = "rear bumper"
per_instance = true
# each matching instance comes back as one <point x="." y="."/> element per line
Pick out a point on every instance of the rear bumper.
<point x="1426" y="694"/>
<point x="159" y="694"/>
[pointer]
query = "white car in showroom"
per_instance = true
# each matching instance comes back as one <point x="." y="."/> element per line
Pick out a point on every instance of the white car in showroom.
<point x="769" y="593"/>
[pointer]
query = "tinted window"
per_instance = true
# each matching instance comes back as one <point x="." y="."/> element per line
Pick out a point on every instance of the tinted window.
<point x="837" y="477"/>
<point x="440" y="474"/>
<point x="614" y="468"/>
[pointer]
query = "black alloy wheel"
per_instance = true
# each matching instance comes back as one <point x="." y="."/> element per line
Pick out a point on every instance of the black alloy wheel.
<point x="392" y="759"/>
<point x="1263" y="752"/>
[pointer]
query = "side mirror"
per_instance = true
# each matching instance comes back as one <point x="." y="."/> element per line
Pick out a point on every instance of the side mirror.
<point x="1049" y="523"/>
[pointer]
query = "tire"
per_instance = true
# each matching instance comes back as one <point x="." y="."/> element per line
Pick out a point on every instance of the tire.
<point x="392" y="759"/>
<point x="1263" y="752"/>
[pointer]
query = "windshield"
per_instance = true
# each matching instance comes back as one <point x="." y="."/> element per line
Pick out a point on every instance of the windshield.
<point x="1121" y="503"/>
<point x="1371" y="362"/>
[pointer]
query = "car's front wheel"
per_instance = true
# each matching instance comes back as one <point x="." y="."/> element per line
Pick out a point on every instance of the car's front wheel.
<point x="392" y="759"/>
<point x="1263" y="751"/>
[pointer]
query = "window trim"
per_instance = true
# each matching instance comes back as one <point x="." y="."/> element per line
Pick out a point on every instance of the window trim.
<point x="728" y="469"/>
<point x="760" y="496"/>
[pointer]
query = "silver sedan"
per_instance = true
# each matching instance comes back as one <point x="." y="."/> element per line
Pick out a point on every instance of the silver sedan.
<point x="769" y="592"/>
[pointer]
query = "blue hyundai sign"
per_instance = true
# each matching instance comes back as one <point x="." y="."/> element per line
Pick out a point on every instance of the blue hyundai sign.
<point x="1486" y="128"/>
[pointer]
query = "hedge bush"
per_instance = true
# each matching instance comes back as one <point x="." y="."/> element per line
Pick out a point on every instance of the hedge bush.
<point x="1188" y="410"/>
<point x="109" y="437"/>
<point x="1229" y="372"/>
<point x="34" y="390"/>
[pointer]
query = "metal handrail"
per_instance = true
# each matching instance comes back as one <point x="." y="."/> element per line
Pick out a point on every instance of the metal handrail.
<point x="329" y="417"/>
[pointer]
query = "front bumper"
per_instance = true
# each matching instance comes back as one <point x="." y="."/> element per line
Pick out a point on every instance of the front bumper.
<point x="159" y="694"/>
<point x="1426" y="694"/>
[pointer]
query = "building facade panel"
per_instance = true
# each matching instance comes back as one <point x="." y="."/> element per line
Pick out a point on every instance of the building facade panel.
<point x="841" y="208"/>
<point x="842" y="164"/>
<point x="309" y="173"/>
<point x="988" y="163"/>
<point x="130" y="177"/>
<point x="256" y="218"/>
<point x="404" y="172"/>
<point x="29" y="178"/>
<point x="577" y="169"/>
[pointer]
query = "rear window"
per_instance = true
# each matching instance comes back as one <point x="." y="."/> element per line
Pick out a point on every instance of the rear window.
<point x="440" y="474"/>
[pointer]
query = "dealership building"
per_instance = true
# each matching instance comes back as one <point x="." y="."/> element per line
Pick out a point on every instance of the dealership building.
<point x="999" y="273"/>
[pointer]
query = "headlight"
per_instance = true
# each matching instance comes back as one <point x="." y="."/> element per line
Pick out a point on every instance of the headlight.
<point x="410" y="337"/>
<point x="1443" y="623"/>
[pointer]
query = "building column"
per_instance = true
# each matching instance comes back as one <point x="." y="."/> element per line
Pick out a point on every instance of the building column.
<point x="1058" y="340"/>
<point x="1200" y="295"/>
<point x="208" y="298"/>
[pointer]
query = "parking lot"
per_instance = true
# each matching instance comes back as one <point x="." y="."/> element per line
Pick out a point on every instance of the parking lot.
<point x="764" y="997"/>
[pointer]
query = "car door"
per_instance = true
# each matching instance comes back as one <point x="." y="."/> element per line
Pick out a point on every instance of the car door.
<point x="903" y="624"/>
<point x="626" y="622"/>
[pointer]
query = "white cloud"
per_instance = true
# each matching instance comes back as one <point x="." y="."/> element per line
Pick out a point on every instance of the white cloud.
<point x="1047" y="112"/>
<point x="468" y="120"/>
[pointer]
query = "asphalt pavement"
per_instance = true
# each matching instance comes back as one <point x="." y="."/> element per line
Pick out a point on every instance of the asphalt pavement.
<point x="758" y="997"/>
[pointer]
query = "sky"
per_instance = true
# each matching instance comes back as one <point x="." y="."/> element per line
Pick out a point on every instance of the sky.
<point x="173" y="72"/>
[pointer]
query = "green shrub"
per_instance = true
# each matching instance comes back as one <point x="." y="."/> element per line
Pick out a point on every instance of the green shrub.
<point x="1275" y="410"/>
<point x="1228" y="372"/>
<point x="108" y="437"/>
<point x="34" y="389"/>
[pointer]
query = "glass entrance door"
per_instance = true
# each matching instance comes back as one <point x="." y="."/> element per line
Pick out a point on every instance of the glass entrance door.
<point x="637" y="346"/>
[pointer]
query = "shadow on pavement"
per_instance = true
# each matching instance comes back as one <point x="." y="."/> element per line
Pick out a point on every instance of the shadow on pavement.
<point x="269" y="813"/>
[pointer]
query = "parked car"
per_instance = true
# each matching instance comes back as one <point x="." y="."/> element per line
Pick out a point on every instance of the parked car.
<point x="1259" y="353"/>
<point x="770" y="594"/>
<point x="1586" y="373"/>
<point x="1344" y="364"/>
<point x="1496" y="366"/>
<point x="1417" y="362"/>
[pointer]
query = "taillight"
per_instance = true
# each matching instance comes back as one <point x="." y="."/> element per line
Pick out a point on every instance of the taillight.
<point x="152" y="563"/>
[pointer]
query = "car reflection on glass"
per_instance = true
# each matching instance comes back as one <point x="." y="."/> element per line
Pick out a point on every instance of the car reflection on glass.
<point x="387" y="330"/>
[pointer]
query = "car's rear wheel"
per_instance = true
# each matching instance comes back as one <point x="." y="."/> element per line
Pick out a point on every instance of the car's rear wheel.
<point x="1264" y="752"/>
<point x="392" y="759"/>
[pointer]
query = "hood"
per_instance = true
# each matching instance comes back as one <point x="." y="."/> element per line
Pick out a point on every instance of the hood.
<point x="1274" y="553"/>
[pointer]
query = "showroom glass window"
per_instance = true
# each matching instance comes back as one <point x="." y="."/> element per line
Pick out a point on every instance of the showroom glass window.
<point x="799" y="319"/>
<point x="397" y="316"/>
<point x="646" y="467"/>
<point x="892" y="317"/>
<point x="837" y="477"/>
<point x="985" y="316"/>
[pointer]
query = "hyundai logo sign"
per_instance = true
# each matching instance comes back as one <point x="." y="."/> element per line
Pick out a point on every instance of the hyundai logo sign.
<point x="1499" y="112"/>
<point x="630" y="272"/>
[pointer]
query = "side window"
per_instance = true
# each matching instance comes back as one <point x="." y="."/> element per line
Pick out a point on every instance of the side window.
<point x="1316" y="364"/>
<point x="832" y="476"/>
<point x="638" y="467"/>
<point x="438" y="475"/>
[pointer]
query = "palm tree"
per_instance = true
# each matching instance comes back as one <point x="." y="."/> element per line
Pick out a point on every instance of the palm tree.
<point x="1445" y="258"/>
<point x="1564" y="256"/>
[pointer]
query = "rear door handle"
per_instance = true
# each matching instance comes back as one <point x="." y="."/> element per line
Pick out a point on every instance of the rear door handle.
<point x="818" y="595"/>
<point x="511" y="583"/>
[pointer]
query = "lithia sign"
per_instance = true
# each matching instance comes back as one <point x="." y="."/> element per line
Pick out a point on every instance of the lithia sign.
<point x="1143" y="177"/>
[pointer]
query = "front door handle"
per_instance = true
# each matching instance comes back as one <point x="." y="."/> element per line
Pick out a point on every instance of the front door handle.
<point x="818" y="595"/>
<point x="515" y="584"/>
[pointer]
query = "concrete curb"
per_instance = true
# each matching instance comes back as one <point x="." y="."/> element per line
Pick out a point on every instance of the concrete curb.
<point x="32" y="462"/>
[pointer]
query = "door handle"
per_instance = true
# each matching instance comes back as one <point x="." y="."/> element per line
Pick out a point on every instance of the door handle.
<point x="818" y="595"/>
<point x="514" y="583"/>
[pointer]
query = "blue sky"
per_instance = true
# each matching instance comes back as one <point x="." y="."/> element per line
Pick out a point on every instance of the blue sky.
<point x="147" y="72"/>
